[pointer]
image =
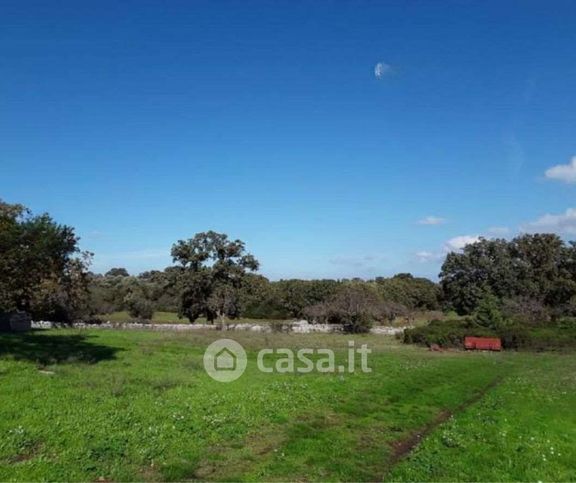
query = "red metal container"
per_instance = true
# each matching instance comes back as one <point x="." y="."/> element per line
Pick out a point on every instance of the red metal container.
<point x="483" y="343"/>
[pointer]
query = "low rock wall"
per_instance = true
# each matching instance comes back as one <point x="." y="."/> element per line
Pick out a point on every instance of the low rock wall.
<point x="301" y="327"/>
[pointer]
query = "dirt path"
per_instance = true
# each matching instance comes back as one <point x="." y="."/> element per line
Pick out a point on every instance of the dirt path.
<point x="403" y="447"/>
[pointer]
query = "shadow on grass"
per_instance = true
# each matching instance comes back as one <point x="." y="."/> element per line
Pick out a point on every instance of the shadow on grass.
<point x="53" y="349"/>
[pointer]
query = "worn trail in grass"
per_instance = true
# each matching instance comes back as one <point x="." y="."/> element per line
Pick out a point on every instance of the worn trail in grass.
<point x="138" y="406"/>
<point x="523" y="430"/>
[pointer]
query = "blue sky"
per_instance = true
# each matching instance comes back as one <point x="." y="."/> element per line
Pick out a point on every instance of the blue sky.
<point x="324" y="134"/>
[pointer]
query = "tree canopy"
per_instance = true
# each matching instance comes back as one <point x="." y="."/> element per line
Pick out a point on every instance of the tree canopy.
<point x="540" y="267"/>
<point x="117" y="272"/>
<point x="210" y="274"/>
<point x="42" y="269"/>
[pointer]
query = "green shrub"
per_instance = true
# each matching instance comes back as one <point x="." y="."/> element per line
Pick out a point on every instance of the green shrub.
<point x="357" y="324"/>
<point x="140" y="308"/>
<point x="488" y="313"/>
<point x="566" y="322"/>
<point x="279" y="326"/>
<point x="539" y="338"/>
<point x="451" y="334"/>
<point x="355" y="307"/>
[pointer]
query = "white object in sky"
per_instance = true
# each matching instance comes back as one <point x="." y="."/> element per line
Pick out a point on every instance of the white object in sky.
<point x="382" y="69"/>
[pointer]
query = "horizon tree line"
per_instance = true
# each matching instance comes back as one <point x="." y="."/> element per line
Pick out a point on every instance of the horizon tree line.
<point x="44" y="272"/>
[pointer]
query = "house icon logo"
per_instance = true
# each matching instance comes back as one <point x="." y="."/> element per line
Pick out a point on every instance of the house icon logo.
<point x="225" y="360"/>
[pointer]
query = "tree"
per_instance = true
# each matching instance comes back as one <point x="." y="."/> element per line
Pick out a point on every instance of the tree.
<point x="484" y="267"/>
<point x="540" y="267"/>
<point x="137" y="298"/>
<point x="42" y="270"/>
<point x="527" y="311"/>
<point x="139" y="307"/>
<point x="117" y="272"/>
<point x="260" y="299"/>
<point x="114" y="292"/>
<point x="355" y="306"/>
<point x="295" y="295"/>
<point x="108" y="293"/>
<point x="416" y="293"/>
<point x="63" y="297"/>
<point x="211" y="273"/>
<point x="488" y="313"/>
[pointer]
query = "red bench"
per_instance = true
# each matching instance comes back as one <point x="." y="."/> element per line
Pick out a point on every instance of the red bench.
<point x="483" y="343"/>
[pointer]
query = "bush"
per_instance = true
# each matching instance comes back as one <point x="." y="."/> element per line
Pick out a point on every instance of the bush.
<point x="265" y="309"/>
<point x="140" y="308"/>
<point x="278" y="326"/>
<point x="539" y="338"/>
<point x="355" y="307"/>
<point x="525" y="311"/>
<point x="488" y="313"/>
<point x="566" y="322"/>
<point x="389" y="311"/>
<point x="356" y="324"/>
<point x="451" y="333"/>
<point x="352" y="321"/>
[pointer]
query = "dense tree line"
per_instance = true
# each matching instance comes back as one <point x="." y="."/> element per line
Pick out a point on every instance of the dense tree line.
<point x="531" y="278"/>
<point x="43" y="272"/>
<point x="252" y="295"/>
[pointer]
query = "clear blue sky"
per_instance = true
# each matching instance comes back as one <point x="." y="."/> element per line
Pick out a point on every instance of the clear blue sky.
<point x="140" y="123"/>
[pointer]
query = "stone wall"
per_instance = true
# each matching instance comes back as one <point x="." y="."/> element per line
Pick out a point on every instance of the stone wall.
<point x="300" y="327"/>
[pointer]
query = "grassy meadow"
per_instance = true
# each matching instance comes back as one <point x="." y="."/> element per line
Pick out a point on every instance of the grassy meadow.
<point x="132" y="405"/>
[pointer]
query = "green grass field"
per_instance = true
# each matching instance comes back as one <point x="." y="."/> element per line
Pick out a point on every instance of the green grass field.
<point x="126" y="405"/>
